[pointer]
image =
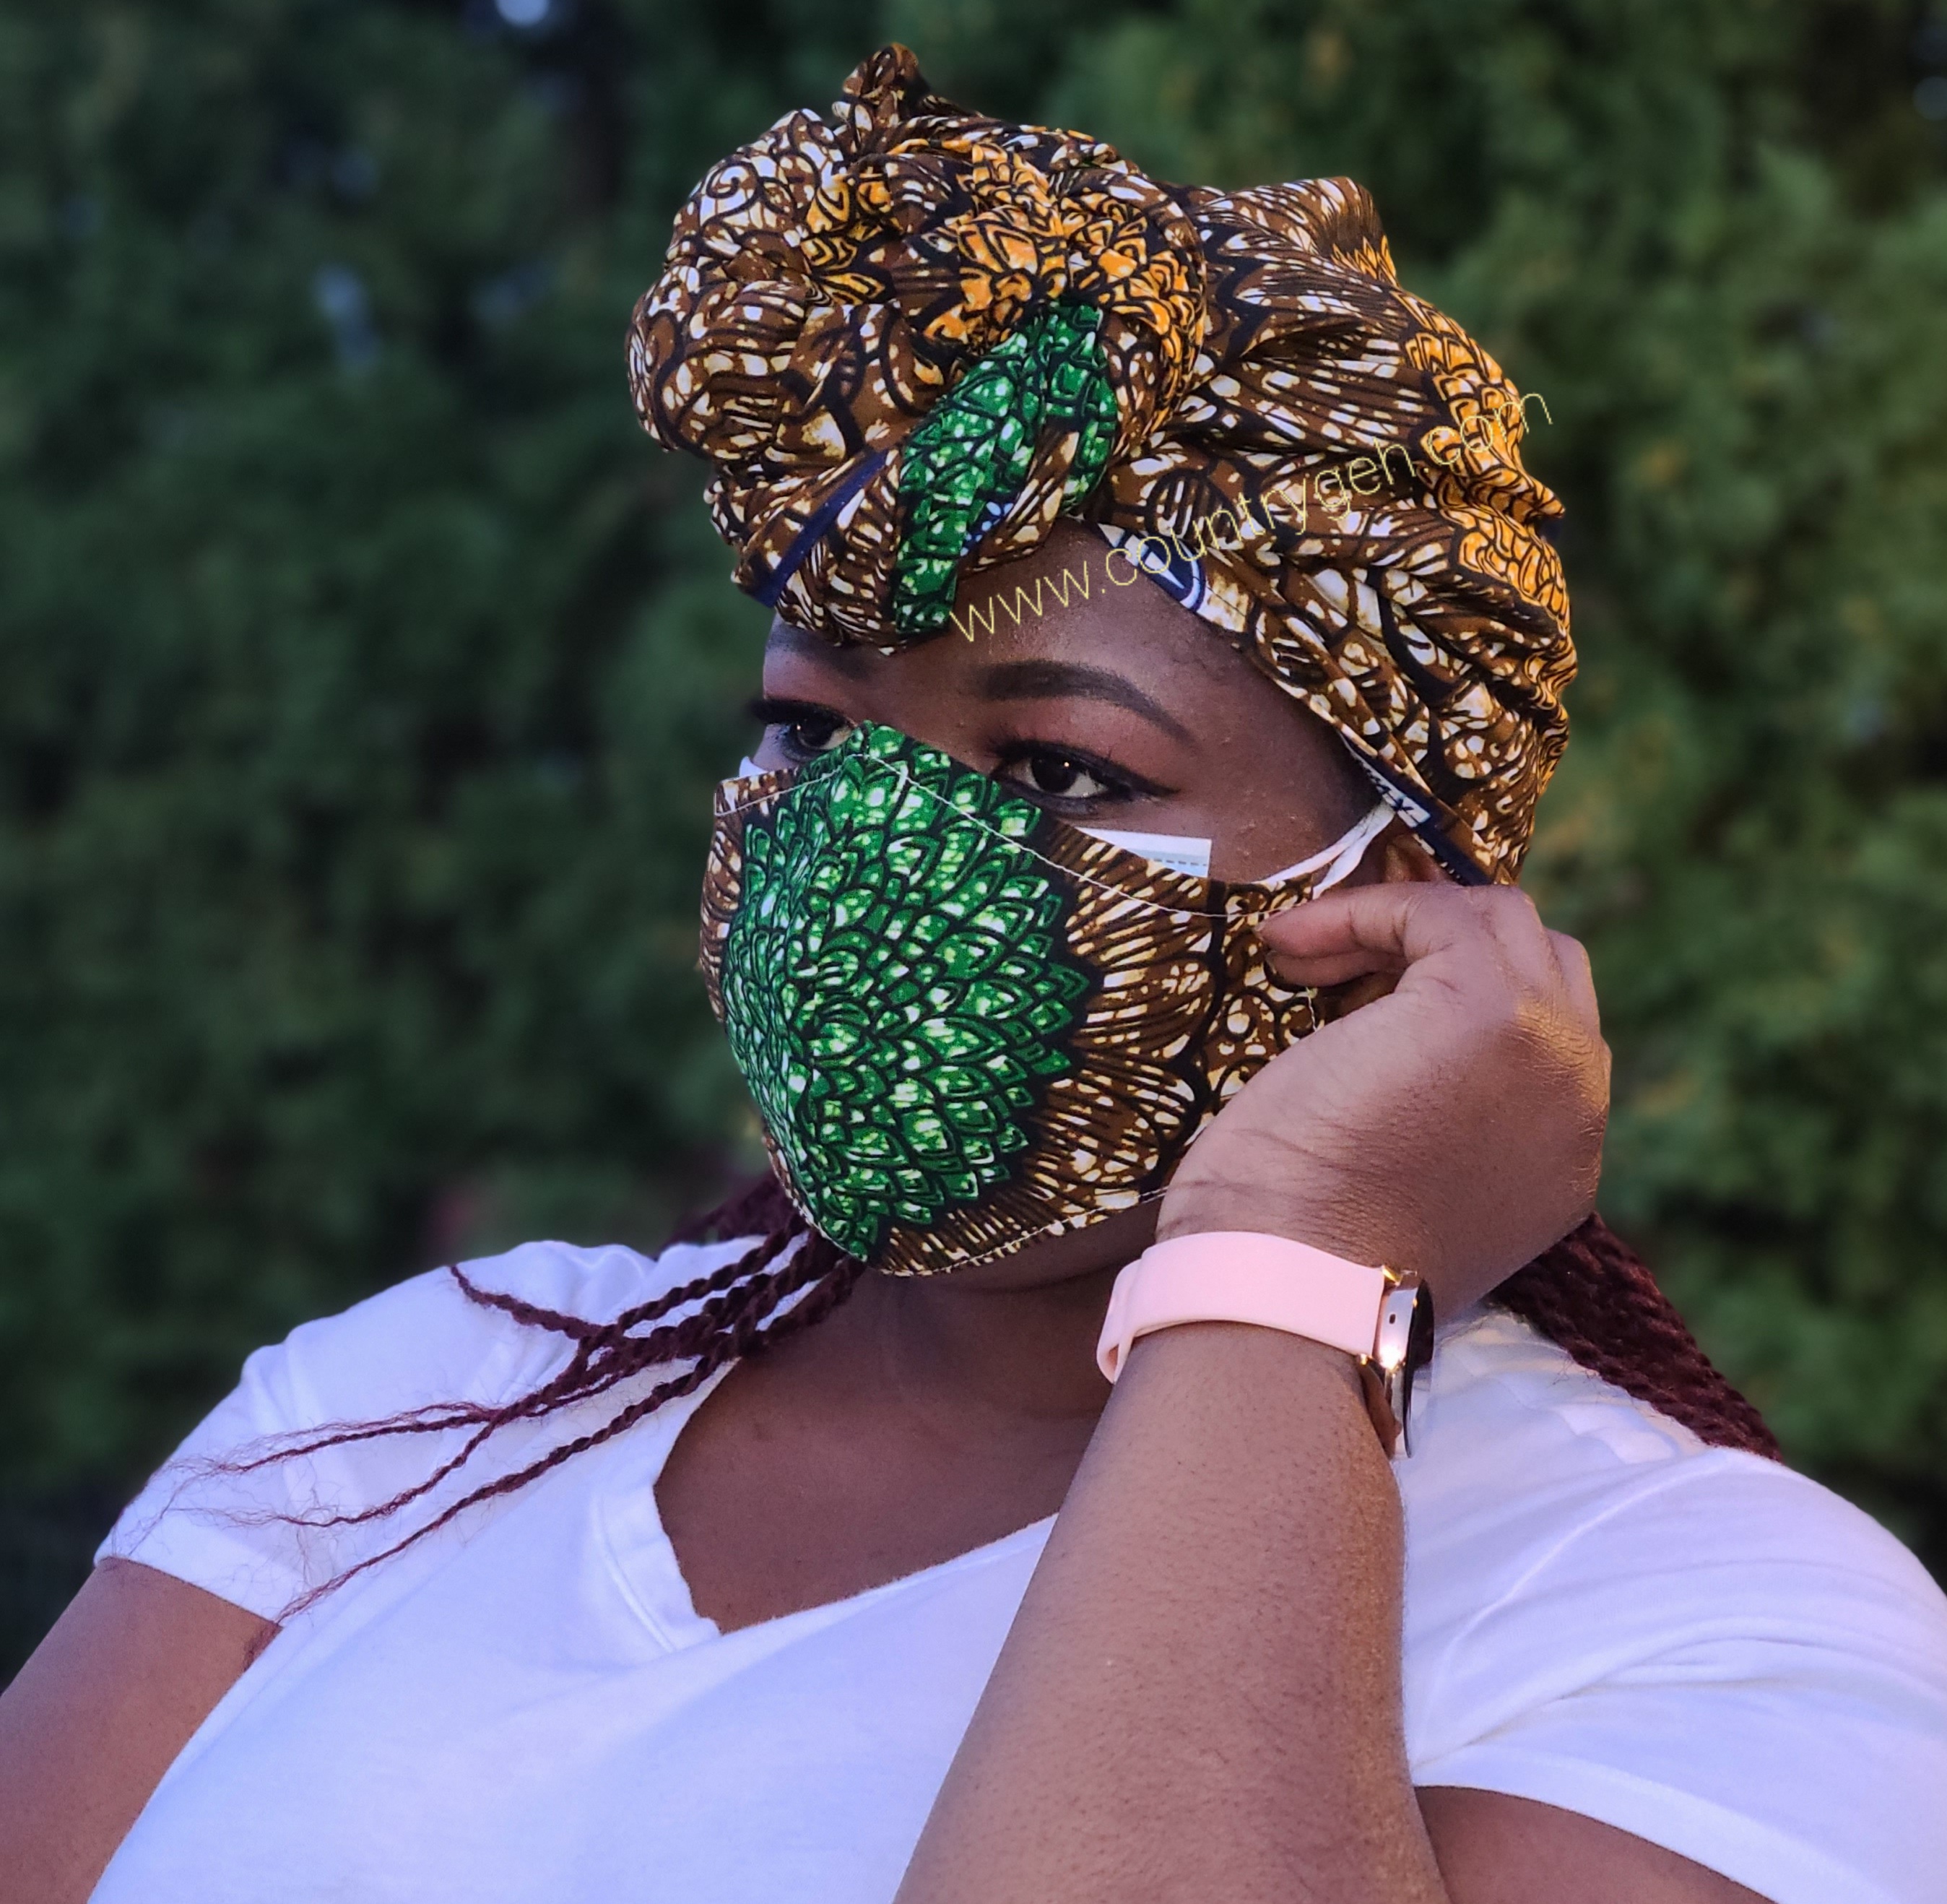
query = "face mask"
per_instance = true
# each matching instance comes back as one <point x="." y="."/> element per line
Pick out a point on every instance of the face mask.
<point x="967" y="1023"/>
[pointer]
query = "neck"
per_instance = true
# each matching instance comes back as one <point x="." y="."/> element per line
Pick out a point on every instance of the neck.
<point x="1007" y="1344"/>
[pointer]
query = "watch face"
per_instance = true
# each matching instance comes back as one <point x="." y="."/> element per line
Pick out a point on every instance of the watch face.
<point x="1404" y="1348"/>
<point x="1419" y="1332"/>
<point x="1419" y="1353"/>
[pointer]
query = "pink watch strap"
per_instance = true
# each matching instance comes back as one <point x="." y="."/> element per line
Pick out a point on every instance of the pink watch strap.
<point x="1243" y="1276"/>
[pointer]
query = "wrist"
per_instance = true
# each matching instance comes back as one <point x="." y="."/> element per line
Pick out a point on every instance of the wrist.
<point x="1332" y="1225"/>
<point x="1227" y="1352"/>
<point x="1380" y="1318"/>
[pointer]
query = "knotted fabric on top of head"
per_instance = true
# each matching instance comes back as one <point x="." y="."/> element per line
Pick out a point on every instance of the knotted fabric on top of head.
<point x="908" y="338"/>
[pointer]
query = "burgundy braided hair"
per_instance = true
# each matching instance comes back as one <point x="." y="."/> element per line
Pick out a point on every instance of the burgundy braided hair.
<point x="1593" y="1296"/>
<point x="741" y="1315"/>
<point x="1590" y="1293"/>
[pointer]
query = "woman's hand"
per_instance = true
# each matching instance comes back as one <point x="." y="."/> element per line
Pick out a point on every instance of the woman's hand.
<point x="1453" y="1126"/>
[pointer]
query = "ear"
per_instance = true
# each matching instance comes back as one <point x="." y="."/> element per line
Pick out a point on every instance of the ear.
<point x="1402" y="858"/>
<point x="1397" y="857"/>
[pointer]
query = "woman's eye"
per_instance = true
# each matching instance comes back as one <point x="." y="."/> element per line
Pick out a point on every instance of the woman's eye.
<point x="1061" y="776"/>
<point x="811" y="734"/>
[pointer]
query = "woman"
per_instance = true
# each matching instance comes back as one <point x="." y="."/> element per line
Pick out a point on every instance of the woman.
<point x="530" y="1581"/>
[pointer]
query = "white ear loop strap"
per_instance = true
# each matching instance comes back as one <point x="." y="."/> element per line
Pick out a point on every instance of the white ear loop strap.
<point x="1340" y="859"/>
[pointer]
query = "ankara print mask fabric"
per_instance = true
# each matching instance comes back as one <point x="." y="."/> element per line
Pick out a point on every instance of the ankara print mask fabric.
<point x="907" y="337"/>
<point x="965" y="1023"/>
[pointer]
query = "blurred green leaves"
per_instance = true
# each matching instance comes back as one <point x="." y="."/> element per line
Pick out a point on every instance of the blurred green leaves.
<point x="367" y="674"/>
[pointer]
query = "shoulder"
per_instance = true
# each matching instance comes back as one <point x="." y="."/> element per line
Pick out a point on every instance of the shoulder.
<point x="272" y="1492"/>
<point x="1695" y="1644"/>
<point x="1578" y="1477"/>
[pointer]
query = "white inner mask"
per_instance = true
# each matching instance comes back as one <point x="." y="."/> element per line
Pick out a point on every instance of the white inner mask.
<point x="1181" y="852"/>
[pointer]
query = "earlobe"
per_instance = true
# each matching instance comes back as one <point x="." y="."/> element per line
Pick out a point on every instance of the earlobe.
<point x="1402" y="859"/>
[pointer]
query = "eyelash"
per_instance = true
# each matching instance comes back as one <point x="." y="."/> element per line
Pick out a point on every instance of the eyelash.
<point x="788" y="717"/>
<point x="1118" y="784"/>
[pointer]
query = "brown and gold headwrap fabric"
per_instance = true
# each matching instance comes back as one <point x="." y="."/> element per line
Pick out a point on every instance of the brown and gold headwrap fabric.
<point x="908" y="338"/>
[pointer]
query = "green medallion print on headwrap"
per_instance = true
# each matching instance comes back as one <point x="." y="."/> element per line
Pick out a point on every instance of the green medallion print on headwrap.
<point x="968" y="457"/>
<point x="894" y="985"/>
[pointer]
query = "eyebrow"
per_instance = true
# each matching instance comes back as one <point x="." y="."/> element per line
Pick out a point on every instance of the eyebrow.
<point x="848" y="660"/>
<point x="1052" y="680"/>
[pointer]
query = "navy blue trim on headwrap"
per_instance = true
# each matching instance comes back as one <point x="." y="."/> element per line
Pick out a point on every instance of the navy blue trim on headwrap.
<point x="809" y="537"/>
<point x="1422" y="823"/>
<point x="1181" y="578"/>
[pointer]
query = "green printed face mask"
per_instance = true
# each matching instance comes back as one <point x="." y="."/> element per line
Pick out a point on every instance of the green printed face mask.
<point x="965" y="1023"/>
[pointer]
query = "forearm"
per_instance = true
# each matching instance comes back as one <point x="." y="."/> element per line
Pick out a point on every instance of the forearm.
<point x="1200" y="1696"/>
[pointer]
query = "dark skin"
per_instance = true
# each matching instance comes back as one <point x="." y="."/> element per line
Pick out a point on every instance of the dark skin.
<point x="1226" y="1517"/>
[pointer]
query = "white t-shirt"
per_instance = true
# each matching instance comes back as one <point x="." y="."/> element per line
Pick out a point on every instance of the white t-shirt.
<point x="1696" y="1646"/>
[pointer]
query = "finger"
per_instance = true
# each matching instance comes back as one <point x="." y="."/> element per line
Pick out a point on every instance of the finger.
<point x="1368" y="929"/>
<point x="1336" y="1001"/>
<point x="1511" y="919"/>
<point x="1578" y="980"/>
<point x="1325" y="973"/>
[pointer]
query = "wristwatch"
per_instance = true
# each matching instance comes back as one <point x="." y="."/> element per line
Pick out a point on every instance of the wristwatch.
<point x="1381" y="1316"/>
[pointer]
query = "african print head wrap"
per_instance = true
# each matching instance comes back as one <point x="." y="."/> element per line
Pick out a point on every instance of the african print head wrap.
<point x="908" y="338"/>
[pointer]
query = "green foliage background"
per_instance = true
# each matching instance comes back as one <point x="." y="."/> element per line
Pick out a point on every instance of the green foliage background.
<point x="365" y="671"/>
